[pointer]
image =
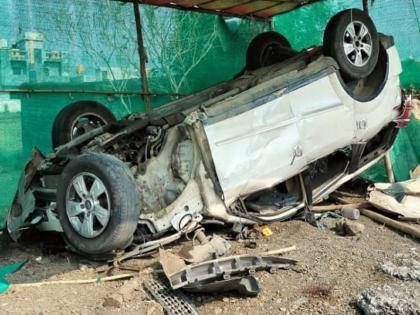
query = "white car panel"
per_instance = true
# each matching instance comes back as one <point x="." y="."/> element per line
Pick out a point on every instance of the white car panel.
<point x="325" y="124"/>
<point x="272" y="142"/>
<point x="255" y="150"/>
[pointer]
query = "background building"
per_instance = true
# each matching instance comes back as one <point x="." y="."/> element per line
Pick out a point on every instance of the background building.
<point x="28" y="61"/>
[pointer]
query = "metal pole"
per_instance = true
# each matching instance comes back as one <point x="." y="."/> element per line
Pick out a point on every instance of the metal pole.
<point x="142" y="56"/>
<point x="271" y="24"/>
<point x="388" y="167"/>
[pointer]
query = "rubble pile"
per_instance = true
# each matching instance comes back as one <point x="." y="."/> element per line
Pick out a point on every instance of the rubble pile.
<point x="404" y="267"/>
<point x="388" y="300"/>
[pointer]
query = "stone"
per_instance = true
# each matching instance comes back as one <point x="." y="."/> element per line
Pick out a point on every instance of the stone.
<point x="387" y="300"/>
<point x="124" y="294"/>
<point x="405" y="267"/>
<point x="347" y="227"/>
<point x="113" y="300"/>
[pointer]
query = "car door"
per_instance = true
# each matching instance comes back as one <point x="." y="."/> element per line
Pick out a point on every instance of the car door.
<point x="324" y="121"/>
<point x="257" y="148"/>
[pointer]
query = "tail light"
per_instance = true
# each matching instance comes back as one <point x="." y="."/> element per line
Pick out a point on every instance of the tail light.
<point x="403" y="120"/>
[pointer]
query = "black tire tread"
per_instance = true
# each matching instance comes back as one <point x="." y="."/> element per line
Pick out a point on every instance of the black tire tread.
<point x="123" y="194"/>
<point x="259" y="42"/>
<point x="333" y="43"/>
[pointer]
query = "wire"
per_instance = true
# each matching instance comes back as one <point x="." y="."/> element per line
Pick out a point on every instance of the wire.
<point x="415" y="13"/>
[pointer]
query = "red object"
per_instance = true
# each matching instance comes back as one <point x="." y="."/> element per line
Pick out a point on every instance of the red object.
<point x="403" y="120"/>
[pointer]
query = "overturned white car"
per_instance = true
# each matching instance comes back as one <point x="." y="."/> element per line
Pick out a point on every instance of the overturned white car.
<point x="287" y="131"/>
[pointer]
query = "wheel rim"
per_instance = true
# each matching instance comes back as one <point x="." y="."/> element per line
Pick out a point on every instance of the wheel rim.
<point x="87" y="205"/>
<point x="357" y="43"/>
<point x="85" y="123"/>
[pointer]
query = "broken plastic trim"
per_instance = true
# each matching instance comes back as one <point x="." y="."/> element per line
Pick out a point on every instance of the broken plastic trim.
<point x="247" y="286"/>
<point x="224" y="268"/>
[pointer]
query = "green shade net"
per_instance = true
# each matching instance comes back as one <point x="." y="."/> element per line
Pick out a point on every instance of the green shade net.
<point x="6" y="270"/>
<point x="87" y="49"/>
<point x="405" y="155"/>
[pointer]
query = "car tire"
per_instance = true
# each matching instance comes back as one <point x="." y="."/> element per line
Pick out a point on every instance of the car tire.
<point x="266" y="49"/>
<point x="97" y="204"/>
<point x="352" y="40"/>
<point x="88" y="115"/>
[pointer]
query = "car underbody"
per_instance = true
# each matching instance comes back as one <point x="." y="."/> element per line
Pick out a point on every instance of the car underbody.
<point x="282" y="155"/>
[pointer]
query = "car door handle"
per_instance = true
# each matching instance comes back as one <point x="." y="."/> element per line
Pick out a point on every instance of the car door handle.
<point x="297" y="152"/>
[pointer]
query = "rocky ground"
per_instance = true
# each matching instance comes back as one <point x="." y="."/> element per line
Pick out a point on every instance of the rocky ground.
<point x="333" y="270"/>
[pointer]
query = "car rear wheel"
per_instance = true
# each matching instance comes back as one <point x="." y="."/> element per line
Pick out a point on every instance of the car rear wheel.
<point x="98" y="204"/>
<point x="266" y="49"/>
<point x="77" y="119"/>
<point x="352" y="40"/>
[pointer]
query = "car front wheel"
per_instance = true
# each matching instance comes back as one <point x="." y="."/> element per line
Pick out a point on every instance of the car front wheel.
<point x="98" y="204"/>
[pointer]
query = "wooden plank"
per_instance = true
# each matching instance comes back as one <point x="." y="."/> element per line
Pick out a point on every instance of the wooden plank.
<point x="402" y="227"/>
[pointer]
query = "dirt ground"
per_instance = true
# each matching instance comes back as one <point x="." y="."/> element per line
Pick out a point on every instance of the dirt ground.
<point x="332" y="271"/>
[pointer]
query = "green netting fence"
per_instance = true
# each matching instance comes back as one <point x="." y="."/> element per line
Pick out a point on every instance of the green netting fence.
<point x="53" y="55"/>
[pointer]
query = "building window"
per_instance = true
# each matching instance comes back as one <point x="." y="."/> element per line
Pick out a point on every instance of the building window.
<point x="17" y="71"/>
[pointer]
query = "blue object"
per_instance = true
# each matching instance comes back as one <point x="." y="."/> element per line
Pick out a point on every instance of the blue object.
<point x="6" y="270"/>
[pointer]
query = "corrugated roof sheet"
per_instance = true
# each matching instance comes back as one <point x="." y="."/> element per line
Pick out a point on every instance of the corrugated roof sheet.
<point x="261" y="9"/>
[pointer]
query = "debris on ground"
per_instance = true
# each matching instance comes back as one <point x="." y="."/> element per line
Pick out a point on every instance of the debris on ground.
<point x="350" y="213"/>
<point x="208" y="247"/>
<point x="402" y="198"/>
<point x="415" y="173"/>
<point x="410" y="229"/>
<point x="247" y="235"/>
<point x="403" y="266"/>
<point x="266" y="231"/>
<point x="347" y="227"/>
<point x="332" y="271"/>
<point x="223" y="274"/>
<point x="199" y="266"/>
<point x="173" y="302"/>
<point x="244" y="285"/>
<point x="78" y="281"/>
<point x="388" y="300"/>
<point x="223" y="268"/>
<point x="321" y="223"/>
<point x="340" y="207"/>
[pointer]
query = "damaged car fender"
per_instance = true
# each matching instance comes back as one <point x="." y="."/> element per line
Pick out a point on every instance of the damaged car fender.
<point x="21" y="213"/>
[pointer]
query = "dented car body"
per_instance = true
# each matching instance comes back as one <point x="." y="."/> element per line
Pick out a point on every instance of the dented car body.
<point x="258" y="148"/>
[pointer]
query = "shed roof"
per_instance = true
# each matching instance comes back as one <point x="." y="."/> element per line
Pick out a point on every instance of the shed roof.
<point x="260" y="9"/>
